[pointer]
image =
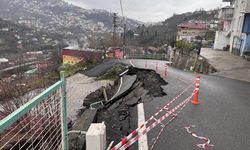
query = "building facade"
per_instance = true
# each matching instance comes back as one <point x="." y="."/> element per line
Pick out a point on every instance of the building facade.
<point x="222" y="36"/>
<point x="189" y="31"/>
<point x="235" y="27"/>
<point x="73" y="56"/>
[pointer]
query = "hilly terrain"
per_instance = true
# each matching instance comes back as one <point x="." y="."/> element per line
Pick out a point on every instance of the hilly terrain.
<point x="165" y="32"/>
<point x="16" y="38"/>
<point x="58" y="16"/>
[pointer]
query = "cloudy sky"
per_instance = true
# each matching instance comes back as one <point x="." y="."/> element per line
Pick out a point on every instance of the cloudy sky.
<point x="149" y="10"/>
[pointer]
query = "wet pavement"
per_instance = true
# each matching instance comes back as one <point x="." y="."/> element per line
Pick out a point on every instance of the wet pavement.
<point x="227" y="64"/>
<point x="222" y="116"/>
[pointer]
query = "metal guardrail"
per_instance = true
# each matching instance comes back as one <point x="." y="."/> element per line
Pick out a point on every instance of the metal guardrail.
<point x="41" y="123"/>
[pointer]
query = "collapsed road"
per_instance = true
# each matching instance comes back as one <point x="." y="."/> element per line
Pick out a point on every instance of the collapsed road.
<point x="222" y="116"/>
<point x="119" y="111"/>
<point x="120" y="116"/>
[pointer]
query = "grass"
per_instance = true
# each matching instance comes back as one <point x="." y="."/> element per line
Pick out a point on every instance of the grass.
<point x="113" y="73"/>
<point x="73" y="69"/>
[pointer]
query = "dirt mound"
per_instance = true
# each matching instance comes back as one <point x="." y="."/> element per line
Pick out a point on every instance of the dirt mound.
<point x="150" y="80"/>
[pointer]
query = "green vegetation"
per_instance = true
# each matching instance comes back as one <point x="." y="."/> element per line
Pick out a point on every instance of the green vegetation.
<point x="184" y="47"/>
<point x="73" y="69"/>
<point x="165" y="32"/>
<point x="113" y="73"/>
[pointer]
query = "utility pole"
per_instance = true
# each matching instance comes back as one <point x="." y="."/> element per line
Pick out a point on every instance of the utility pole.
<point x="114" y="28"/>
<point x="124" y="30"/>
<point x="124" y="34"/>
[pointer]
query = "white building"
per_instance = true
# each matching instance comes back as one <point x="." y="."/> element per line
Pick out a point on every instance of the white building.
<point x="222" y="36"/>
<point x="235" y="27"/>
<point x="3" y="60"/>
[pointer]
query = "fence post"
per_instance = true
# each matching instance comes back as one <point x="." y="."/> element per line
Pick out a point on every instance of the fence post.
<point x="64" y="120"/>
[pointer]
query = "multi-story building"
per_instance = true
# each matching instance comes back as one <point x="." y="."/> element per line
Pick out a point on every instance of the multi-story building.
<point x="189" y="31"/>
<point x="222" y="36"/>
<point x="75" y="56"/>
<point x="236" y="27"/>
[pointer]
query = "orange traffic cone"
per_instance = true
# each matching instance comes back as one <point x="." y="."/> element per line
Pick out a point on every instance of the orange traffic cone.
<point x="196" y="91"/>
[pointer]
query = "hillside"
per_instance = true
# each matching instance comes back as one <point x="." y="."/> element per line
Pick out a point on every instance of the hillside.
<point x="60" y="17"/>
<point x="16" y="38"/>
<point x="165" y="32"/>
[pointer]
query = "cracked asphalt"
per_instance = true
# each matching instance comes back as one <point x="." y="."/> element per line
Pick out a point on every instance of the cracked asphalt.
<point x="222" y="116"/>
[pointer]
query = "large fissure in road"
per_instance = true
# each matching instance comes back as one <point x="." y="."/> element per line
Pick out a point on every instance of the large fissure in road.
<point x="120" y="117"/>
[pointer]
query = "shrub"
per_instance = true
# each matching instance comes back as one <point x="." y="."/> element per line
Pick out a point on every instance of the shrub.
<point x="184" y="47"/>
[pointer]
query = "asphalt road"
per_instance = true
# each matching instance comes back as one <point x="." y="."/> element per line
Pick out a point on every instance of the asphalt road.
<point x="223" y="115"/>
<point x="100" y="69"/>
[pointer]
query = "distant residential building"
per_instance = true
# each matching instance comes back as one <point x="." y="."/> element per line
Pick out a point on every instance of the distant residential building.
<point x="35" y="53"/>
<point x="5" y="29"/>
<point x="4" y="60"/>
<point x="119" y="53"/>
<point x="189" y="31"/>
<point x="74" y="56"/>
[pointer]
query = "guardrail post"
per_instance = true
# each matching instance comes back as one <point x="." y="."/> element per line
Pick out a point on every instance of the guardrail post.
<point x="196" y="91"/>
<point x="146" y="63"/>
<point x="64" y="120"/>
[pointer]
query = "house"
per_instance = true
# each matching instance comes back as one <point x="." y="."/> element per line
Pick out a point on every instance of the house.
<point x="114" y="53"/>
<point x="75" y="56"/>
<point x="118" y="53"/>
<point x="222" y="36"/>
<point x="189" y="31"/>
<point x="4" y="61"/>
<point x="235" y="27"/>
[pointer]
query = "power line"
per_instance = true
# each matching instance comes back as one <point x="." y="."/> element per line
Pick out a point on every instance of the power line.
<point x="124" y="27"/>
<point x="121" y="8"/>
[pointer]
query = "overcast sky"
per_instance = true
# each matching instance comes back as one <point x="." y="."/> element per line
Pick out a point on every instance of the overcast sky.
<point x="149" y="10"/>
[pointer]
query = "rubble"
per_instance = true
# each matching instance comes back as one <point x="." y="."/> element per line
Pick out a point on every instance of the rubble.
<point x="139" y="86"/>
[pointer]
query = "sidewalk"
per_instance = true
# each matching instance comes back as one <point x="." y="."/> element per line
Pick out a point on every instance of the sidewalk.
<point x="227" y="64"/>
<point x="78" y="87"/>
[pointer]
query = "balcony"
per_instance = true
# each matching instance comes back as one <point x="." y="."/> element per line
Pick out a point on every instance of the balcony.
<point x="226" y="13"/>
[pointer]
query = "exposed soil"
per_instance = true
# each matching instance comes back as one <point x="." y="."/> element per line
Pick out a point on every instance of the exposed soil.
<point x="119" y="116"/>
<point x="150" y="80"/>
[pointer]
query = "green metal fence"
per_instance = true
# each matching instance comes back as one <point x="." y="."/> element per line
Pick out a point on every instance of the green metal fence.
<point x="41" y="123"/>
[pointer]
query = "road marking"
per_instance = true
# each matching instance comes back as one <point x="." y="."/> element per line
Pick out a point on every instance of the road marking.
<point x="117" y="90"/>
<point x="143" y="140"/>
<point x="123" y="73"/>
<point x="132" y="63"/>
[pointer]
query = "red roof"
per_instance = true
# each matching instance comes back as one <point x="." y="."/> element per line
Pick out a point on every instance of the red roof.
<point x="77" y="53"/>
<point x="190" y="25"/>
